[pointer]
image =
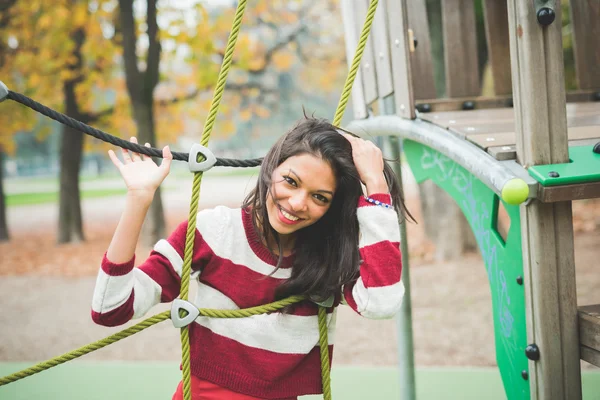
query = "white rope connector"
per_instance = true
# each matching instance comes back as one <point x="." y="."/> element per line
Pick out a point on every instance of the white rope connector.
<point x="191" y="310"/>
<point x="201" y="166"/>
<point x="3" y="91"/>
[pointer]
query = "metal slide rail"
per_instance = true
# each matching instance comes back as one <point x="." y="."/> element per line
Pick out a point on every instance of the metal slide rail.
<point x="508" y="180"/>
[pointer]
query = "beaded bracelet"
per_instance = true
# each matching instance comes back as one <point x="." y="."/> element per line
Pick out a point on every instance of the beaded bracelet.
<point x="377" y="202"/>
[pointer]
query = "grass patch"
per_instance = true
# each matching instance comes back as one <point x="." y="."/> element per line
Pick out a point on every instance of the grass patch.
<point x="23" y="199"/>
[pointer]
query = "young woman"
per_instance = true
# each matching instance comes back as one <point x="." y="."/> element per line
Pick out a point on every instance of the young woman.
<point x="307" y="228"/>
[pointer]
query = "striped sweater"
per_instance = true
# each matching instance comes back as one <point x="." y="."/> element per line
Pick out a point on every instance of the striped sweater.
<point x="267" y="356"/>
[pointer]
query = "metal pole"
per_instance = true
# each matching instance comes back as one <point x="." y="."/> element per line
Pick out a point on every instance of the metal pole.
<point x="406" y="359"/>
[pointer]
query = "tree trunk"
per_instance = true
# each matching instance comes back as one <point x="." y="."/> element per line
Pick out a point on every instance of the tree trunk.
<point x="3" y="225"/>
<point x="154" y="224"/>
<point x="445" y="224"/>
<point x="140" y="86"/>
<point x="70" y="226"/>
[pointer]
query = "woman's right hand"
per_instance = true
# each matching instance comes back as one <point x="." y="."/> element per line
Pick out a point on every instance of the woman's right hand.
<point x="141" y="175"/>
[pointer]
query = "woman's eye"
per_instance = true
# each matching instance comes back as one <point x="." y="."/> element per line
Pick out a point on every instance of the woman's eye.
<point x="289" y="180"/>
<point x="321" y="198"/>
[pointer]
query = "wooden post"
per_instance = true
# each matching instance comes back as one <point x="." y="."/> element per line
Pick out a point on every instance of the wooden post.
<point x="400" y="58"/>
<point x="548" y="255"/>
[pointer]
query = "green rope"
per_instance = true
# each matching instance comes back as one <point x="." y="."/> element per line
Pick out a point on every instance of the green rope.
<point x="324" y="349"/>
<point x="85" y="349"/>
<point x="362" y="43"/>
<point x="208" y="312"/>
<point x="191" y="229"/>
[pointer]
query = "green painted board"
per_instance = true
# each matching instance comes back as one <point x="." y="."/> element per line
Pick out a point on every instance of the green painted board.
<point x="503" y="260"/>
<point x="584" y="167"/>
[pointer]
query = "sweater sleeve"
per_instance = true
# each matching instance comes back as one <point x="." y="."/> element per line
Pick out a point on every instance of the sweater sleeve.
<point x="378" y="291"/>
<point x="123" y="292"/>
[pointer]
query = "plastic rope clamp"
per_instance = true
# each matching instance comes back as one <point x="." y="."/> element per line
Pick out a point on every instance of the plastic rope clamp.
<point x="3" y="91"/>
<point x="201" y="166"/>
<point x="192" y="313"/>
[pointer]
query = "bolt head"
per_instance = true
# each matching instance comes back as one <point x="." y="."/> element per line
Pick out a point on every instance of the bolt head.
<point x="525" y="375"/>
<point x="553" y="174"/>
<point x="520" y="280"/>
<point x="596" y="148"/>
<point x="424" y="108"/>
<point x="546" y="16"/>
<point x="532" y="352"/>
<point x="468" y="105"/>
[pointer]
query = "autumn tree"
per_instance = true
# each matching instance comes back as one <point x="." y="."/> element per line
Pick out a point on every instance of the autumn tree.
<point x="59" y="55"/>
<point x="268" y="46"/>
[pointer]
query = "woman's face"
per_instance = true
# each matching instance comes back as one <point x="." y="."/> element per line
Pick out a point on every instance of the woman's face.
<point x="301" y="193"/>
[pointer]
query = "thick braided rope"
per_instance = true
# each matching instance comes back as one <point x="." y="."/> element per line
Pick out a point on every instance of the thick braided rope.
<point x="108" y="138"/>
<point x="360" y="48"/>
<point x="85" y="349"/>
<point x="207" y="312"/>
<point x="324" y="351"/>
<point x="191" y="229"/>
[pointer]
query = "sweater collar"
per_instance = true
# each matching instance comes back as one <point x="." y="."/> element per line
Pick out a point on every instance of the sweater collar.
<point x="258" y="247"/>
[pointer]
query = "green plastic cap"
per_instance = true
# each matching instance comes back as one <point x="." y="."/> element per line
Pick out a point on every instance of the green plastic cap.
<point x="515" y="191"/>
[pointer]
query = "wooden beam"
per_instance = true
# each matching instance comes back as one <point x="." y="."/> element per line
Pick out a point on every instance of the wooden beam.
<point x="547" y="229"/>
<point x="495" y="15"/>
<point x="589" y="333"/>
<point x="456" y="104"/>
<point x="460" y="48"/>
<point x="359" y="105"/>
<point x="400" y="57"/>
<point x="585" y="22"/>
<point x="421" y="59"/>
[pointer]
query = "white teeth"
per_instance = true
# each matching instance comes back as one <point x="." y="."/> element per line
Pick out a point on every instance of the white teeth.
<point x="289" y="216"/>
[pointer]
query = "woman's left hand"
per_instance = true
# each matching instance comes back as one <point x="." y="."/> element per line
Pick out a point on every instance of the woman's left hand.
<point x="369" y="163"/>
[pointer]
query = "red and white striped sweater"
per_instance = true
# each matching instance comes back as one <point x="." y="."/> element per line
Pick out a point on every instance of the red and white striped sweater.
<point x="267" y="356"/>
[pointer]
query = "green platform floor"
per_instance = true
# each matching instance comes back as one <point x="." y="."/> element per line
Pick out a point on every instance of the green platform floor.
<point x="150" y="381"/>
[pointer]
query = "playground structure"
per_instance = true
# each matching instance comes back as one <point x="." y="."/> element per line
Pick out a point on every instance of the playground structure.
<point x="533" y="148"/>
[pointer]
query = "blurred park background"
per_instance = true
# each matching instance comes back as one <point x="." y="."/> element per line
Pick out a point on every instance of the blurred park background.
<point x="147" y="68"/>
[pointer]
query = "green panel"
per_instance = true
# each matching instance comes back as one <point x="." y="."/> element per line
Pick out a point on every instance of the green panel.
<point x="584" y="167"/>
<point x="503" y="261"/>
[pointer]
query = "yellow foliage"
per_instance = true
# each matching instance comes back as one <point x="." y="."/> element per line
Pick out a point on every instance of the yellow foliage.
<point x="245" y="115"/>
<point x="283" y="61"/>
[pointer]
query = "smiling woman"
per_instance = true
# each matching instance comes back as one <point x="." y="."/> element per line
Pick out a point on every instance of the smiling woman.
<point x="306" y="229"/>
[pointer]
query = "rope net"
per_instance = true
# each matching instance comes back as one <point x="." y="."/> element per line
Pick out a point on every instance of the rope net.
<point x="190" y="234"/>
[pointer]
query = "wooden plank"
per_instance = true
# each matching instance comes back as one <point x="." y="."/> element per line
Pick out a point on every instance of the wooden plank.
<point x="400" y="56"/>
<point x="460" y="48"/>
<point x="359" y="105"/>
<point x="589" y="326"/>
<point x="502" y="153"/>
<point x="381" y="44"/>
<point x="590" y="355"/>
<point x="495" y="15"/>
<point x="479" y="102"/>
<point x="367" y="65"/>
<point x="421" y="59"/>
<point x="547" y="229"/>
<point x="585" y="22"/>
<point x="568" y="193"/>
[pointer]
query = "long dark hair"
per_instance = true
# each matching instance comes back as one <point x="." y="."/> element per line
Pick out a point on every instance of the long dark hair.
<point x="326" y="252"/>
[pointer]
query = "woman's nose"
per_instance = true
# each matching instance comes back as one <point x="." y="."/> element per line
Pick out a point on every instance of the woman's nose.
<point x="298" y="202"/>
